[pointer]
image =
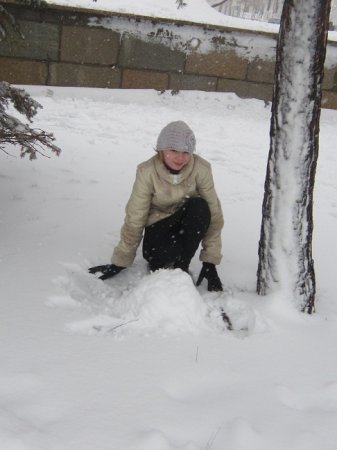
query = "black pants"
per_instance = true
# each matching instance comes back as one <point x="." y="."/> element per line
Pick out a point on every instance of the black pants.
<point x="172" y="242"/>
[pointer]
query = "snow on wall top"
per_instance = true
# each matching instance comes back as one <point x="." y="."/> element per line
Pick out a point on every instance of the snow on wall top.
<point x="195" y="11"/>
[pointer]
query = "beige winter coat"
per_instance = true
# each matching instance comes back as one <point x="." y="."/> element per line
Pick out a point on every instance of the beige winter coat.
<point x="157" y="194"/>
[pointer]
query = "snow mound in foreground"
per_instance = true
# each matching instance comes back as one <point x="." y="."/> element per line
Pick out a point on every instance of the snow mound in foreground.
<point x="164" y="302"/>
<point x="136" y="303"/>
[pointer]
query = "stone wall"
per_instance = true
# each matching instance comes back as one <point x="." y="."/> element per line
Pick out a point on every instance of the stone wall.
<point x="72" y="47"/>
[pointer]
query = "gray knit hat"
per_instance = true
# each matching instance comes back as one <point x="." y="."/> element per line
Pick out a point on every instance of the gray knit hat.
<point x="176" y="136"/>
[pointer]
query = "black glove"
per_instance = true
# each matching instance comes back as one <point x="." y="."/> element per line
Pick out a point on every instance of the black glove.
<point x="209" y="272"/>
<point x="107" y="270"/>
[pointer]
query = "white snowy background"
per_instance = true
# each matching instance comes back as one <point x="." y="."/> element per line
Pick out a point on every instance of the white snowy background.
<point x="145" y="362"/>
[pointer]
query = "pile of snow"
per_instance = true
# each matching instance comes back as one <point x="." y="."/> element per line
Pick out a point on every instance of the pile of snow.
<point x="165" y="302"/>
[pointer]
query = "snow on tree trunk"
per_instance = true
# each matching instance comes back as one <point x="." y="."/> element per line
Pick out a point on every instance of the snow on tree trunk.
<point x="285" y="247"/>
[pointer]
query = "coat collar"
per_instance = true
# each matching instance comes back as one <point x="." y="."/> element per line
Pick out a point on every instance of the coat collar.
<point x="165" y="174"/>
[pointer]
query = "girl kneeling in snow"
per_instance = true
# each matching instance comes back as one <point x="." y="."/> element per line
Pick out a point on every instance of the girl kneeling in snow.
<point x="174" y="202"/>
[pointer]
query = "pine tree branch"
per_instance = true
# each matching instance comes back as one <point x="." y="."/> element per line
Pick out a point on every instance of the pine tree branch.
<point x="16" y="133"/>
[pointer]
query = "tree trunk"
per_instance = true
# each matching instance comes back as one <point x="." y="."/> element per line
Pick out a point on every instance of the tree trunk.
<point x="285" y="247"/>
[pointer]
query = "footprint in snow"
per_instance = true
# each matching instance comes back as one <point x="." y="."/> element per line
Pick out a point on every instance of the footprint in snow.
<point x="154" y="439"/>
<point x="25" y="408"/>
<point x="322" y="399"/>
<point x="239" y="434"/>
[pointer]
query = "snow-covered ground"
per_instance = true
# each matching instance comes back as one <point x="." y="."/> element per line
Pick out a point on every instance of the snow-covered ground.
<point x="144" y="362"/>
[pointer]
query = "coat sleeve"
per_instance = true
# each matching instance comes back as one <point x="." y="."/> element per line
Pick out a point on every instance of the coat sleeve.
<point x="211" y="244"/>
<point x="136" y="214"/>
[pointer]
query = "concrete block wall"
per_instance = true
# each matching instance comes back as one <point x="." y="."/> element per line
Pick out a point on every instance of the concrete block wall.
<point x="72" y="47"/>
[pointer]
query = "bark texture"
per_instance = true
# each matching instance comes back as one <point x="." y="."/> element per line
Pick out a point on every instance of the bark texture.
<point x="285" y="247"/>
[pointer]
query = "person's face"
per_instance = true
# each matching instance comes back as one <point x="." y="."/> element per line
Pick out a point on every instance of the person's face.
<point x="176" y="160"/>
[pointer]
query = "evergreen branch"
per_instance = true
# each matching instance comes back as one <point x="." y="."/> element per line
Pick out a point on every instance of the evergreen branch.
<point x="14" y="132"/>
